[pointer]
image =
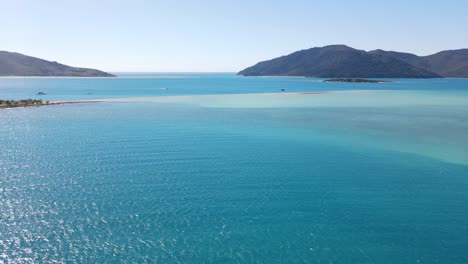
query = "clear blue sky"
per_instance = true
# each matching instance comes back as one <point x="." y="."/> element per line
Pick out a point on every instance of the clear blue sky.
<point x="221" y="35"/>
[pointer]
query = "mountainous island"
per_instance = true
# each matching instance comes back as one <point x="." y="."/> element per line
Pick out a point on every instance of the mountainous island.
<point x="16" y="64"/>
<point x="341" y="61"/>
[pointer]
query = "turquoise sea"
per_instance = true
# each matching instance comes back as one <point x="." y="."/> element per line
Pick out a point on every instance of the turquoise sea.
<point x="218" y="168"/>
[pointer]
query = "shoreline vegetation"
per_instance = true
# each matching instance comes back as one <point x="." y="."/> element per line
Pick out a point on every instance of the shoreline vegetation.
<point x="23" y="103"/>
<point x="4" y="104"/>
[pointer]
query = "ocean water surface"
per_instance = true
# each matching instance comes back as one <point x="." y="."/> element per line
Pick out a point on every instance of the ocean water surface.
<point x="217" y="168"/>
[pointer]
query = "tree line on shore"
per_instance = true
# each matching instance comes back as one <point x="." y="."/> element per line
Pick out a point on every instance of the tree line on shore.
<point x="22" y="103"/>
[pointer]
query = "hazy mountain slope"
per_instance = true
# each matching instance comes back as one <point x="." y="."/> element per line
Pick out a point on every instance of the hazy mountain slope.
<point x="337" y="61"/>
<point x="449" y="63"/>
<point x="16" y="64"/>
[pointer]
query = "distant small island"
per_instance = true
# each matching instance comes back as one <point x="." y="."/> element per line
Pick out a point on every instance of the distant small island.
<point x="16" y="64"/>
<point x="356" y="80"/>
<point x="22" y="103"/>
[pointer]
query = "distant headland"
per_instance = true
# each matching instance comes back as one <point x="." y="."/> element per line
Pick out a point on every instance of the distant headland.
<point x="340" y="61"/>
<point x="16" y="64"/>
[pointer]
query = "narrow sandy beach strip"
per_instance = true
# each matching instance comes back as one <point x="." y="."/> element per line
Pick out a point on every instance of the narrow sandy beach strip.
<point x="77" y="102"/>
<point x="208" y="96"/>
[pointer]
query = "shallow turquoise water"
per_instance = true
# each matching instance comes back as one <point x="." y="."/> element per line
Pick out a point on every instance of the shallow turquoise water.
<point x="357" y="177"/>
<point x="135" y="85"/>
